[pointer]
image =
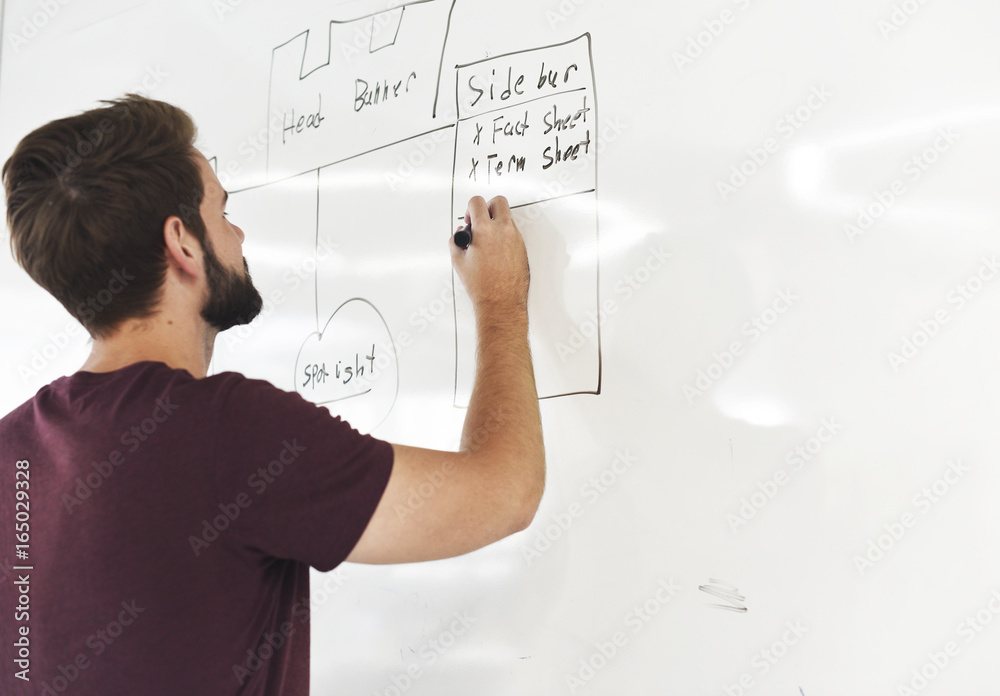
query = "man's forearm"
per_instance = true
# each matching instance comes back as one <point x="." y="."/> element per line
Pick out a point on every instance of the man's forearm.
<point x="505" y="392"/>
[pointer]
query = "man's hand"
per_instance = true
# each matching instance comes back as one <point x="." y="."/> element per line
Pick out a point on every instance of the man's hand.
<point x="494" y="269"/>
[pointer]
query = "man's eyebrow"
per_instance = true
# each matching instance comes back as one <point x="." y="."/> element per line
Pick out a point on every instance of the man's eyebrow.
<point x="225" y="198"/>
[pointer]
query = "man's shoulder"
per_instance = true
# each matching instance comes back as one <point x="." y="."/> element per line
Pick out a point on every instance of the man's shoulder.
<point x="243" y="401"/>
<point x="161" y="375"/>
<point x="228" y="400"/>
<point x="25" y="410"/>
<point x="238" y="385"/>
<point x="147" y="376"/>
<point x="16" y="415"/>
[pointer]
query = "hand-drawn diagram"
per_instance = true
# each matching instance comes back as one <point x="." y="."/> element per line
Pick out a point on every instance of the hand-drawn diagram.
<point x="525" y="129"/>
<point x="363" y="97"/>
<point x="341" y="362"/>
<point x="367" y="152"/>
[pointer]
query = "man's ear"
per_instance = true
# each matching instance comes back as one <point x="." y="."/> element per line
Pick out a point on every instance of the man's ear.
<point x="183" y="249"/>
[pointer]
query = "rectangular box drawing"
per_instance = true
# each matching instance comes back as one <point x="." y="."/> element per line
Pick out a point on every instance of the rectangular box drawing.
<point x="379" y="85"/>
<point x="527" y="130"/>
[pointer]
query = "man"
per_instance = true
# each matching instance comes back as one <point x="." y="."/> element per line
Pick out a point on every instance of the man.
<point x="164" y="519"/>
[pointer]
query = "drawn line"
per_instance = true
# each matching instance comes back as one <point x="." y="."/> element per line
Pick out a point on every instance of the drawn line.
<point x="720" y="594"/>
<point x="727" y="592"/>
<point x="382" y="147"/>
<point x="525" y="50"/>
<point x="545" y="200"/>
<point x="373" y="14"/>
<point x="541" y="398"/>
<point x="267" y="119"/>
<point x="316" y="250"/>
<point x="350" y="157"/>
<point x="343" y="398"/>
<point x="437" y="86"/>
<point x="105" y="18"/>
<point x="394" y="36"/>
<point x="3" y="13"/>
<point x="597" y="214"/>
<point x="576" y="393"/>
<point x="454" y="303"/>
<point x="518" y="104"/>
<point x="329" y="46"/>
<point x="716" y="581"/>
<point x="738" y="610"/>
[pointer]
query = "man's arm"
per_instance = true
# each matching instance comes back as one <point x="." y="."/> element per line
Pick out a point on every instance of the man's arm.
<point x="492" y="486"/>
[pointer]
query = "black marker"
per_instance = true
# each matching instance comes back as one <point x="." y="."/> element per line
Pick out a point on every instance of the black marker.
<point x="463" y="238"/>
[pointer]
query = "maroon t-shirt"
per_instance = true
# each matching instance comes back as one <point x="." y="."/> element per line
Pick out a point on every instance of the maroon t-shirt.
<point x="157" y="532"/>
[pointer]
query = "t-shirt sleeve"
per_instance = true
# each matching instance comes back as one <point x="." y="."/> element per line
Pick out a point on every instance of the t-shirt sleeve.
<point x="306" y="482"/>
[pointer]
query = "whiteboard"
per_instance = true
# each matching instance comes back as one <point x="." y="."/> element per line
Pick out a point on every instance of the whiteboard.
<point x="763" y="314"/>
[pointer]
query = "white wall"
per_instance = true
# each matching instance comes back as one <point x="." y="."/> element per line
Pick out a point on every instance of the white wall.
<point x="753" y="435"/>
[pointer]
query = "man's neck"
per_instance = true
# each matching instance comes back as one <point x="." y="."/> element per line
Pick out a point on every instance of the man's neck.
<point x="136" y="342"/>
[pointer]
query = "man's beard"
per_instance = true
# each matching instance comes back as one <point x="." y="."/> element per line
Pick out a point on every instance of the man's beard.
<point x="232" y="298"/>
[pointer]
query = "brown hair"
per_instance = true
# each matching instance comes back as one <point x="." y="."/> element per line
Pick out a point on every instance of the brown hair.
<point x="87" y="197"/>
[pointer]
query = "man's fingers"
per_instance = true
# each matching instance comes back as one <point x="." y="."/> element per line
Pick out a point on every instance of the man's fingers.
<point x="477" y="212"/>
<point x="499" y="208"/>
